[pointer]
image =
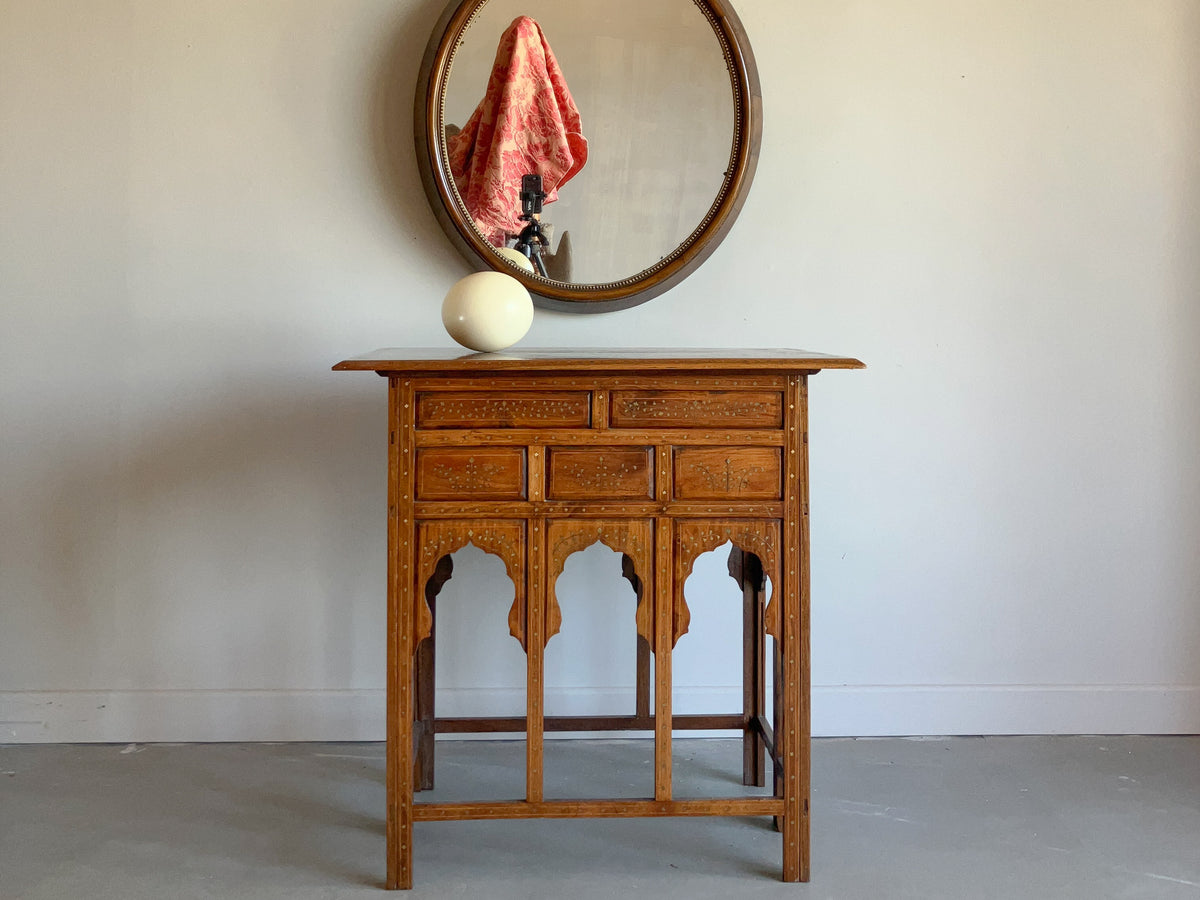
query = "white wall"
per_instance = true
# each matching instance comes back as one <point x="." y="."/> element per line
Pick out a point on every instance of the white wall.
<point x="205" y="205"/>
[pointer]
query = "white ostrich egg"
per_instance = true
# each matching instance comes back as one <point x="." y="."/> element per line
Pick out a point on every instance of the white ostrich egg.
<point x="487" y="311"/>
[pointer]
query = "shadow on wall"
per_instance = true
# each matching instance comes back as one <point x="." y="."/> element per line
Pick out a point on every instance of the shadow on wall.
<point x="219" y="527"/>
<point x="392" y="131"/>
<point x="1184" y="493"/>
<point x="222" y="529"/>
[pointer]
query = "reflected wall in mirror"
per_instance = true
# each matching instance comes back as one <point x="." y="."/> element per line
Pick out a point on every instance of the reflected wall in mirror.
<point x="643" y="118"/>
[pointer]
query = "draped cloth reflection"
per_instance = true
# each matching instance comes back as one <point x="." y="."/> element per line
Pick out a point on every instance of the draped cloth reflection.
<point x="527" y="123"/>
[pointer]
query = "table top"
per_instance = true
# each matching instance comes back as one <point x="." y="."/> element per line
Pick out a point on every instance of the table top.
<point x="408" y="359"/>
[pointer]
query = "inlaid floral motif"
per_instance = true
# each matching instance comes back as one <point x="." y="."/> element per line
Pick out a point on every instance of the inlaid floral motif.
<point x="728" y="479"/>
<point x="472" y="476"/>
<point x="603" y="473"/>
<point x="678" y="407"/>
<point x="500" y="408"/>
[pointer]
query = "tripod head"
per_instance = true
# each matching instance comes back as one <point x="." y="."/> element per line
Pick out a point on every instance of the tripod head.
<point x="532" y="197"/>
<point x="532" y="239"/>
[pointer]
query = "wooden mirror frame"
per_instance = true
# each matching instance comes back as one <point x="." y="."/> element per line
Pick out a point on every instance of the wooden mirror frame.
<point x="638" y="287"/>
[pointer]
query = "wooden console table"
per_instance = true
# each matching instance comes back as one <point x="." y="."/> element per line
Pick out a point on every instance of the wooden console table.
<point x="661" y="455"/>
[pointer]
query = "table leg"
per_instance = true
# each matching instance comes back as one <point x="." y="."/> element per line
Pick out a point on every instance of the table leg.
<point x="535" y="610"/>
<point x="664" y="638"/>
<point x="754" y="748"/>
<point x="793" y="729"/>
<point x="643" y="647"/>
<point x="643" y="678"/>
<point x="423" y="776"/>
<point x="426" y="679"/>
<point x="777" y="701"/>
<point x="401" y="594"/>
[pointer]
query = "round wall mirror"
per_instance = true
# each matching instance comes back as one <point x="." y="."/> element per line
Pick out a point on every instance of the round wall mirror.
<point x="640" y="121"/>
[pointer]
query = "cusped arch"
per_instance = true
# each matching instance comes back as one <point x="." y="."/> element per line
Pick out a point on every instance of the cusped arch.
<point x="441" y="538"/>
<point x="757" y="536"/>
<point x="633" y="539"/>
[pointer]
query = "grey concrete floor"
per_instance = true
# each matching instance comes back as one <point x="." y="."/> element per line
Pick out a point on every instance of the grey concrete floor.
<point x="1011" y="817"/>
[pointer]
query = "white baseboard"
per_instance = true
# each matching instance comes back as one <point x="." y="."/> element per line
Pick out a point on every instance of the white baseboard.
<point x="977" y="709"/>
<point x="358" y="715"/>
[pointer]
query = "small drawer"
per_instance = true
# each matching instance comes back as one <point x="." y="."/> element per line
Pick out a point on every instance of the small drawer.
<point x="479" y="473"/>
<point x="734" y="473"/>
<point x="600" y="473"/>
<point x="509" y="409"/>
<point x="696" y="409"/>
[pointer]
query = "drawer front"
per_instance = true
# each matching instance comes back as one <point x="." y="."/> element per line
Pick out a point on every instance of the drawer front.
<point x="734" y="473"/>
<point x="601" y="472"/>
<point x="696" y="409"/>
<point x="476" y="473"/>
<point x="510" y="409"/>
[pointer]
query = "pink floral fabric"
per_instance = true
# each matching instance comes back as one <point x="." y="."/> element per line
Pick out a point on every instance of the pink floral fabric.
<point x="526" y="124"/>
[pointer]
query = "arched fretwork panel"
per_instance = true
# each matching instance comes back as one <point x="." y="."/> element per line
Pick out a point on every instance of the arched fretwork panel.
<point x="439" y="539"/>
<point x="631" y="538"/>
<point x="757" y="536"/>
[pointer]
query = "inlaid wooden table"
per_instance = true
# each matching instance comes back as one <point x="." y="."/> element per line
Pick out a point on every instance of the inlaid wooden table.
<point x="661" y="455"/>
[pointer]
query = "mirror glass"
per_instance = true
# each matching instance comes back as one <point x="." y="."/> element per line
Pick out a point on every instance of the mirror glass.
<point x="656" y="108"/>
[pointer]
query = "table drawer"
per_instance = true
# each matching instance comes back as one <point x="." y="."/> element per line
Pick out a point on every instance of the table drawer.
<point x="476" y="473"/>
<point x="735" y="473"/>
<point x="696" y="409"/>
<point x="601" y="472"/>
<point x="504" y="409"/>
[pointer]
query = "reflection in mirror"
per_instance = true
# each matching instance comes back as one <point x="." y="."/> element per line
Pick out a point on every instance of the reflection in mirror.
<point x="637" y="170"/>
<point x="522" y="143"/>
